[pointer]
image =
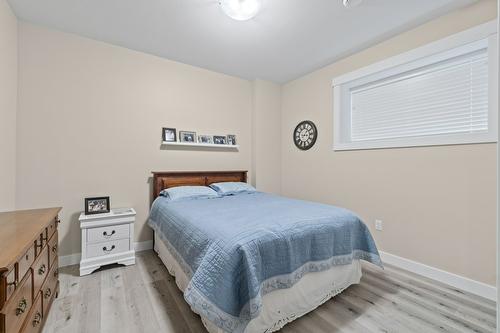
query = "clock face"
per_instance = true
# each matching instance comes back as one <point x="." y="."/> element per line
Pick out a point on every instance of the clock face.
<point x="305" y="135"/>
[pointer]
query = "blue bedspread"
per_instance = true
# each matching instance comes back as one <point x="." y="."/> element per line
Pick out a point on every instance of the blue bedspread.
<point x="236" y="249"/>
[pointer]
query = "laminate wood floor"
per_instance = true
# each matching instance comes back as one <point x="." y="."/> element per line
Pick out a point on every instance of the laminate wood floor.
<point x="145" y="298"/>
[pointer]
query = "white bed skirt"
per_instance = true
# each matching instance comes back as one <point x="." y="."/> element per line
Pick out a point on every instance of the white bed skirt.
<point x="280" y="306"/>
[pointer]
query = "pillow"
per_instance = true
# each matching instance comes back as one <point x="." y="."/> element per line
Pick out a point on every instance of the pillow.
<point x="232" y="188"/>
<point x="189" y="192"/>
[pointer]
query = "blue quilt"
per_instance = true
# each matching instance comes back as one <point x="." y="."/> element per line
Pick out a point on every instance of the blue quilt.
<point x="235" y="249"/>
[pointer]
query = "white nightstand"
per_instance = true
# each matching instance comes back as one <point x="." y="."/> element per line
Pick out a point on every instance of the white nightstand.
<point x="107" y="239"/>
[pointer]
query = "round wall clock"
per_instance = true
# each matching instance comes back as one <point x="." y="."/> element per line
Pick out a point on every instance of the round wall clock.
<point x="305" y="135"/>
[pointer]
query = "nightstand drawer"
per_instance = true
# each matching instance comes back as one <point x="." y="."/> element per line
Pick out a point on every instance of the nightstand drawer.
<point x="108" y="248"/>
<point x="104" y="234"/>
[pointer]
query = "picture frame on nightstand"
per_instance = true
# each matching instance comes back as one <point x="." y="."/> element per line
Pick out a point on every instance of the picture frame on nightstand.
<point x="97" y="205"/>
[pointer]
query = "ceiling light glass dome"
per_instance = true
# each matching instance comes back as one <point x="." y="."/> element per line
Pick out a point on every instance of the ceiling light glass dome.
<point x="241" y="10"/>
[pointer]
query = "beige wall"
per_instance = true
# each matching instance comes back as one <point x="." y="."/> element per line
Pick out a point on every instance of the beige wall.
<point x="90" y="118"/>
<point x="8" y="106"/>
<point x="437" y="203"/>
<point x="266" y="136"/>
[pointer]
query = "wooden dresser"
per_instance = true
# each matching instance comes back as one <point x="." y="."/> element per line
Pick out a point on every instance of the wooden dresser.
<point x="28" y="268"/>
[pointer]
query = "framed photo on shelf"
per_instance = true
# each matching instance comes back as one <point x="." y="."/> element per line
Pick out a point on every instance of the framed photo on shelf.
<point x="231" y="139"/>
<point x="205" y="139"/>
<point x="186" y="136"/>
<point x="169" y="134"/>
<point x="220" y="140"/>
<point x="98" y="205"/>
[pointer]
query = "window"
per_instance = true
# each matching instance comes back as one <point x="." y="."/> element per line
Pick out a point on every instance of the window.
<point x="442" y="93"/>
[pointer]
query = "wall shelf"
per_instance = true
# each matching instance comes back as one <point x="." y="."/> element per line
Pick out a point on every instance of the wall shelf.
<point x="195" y="145"/>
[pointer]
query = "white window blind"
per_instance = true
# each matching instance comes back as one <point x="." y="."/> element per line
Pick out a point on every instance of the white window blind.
<point x="443" y="98"/>
<point x="441" y="93"/>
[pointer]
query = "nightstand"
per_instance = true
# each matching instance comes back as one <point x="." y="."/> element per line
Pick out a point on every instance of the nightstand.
<point x="107" y="239"/>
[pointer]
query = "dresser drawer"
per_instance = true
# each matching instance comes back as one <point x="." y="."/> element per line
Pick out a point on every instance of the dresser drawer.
<point x="40" y="269"/>
<point x="51" y="229"/>
<point x="34" y="322"/>
<point x="17" y="309"/>
<point x="39" y="243"/>
<point x="49" y="289"/>
<point x="52" y="248"/>
<point x="107" y="248"/>
<point x="8" y="285"/>
<point x="105" y="234"/>
<point x="25" y="262"/>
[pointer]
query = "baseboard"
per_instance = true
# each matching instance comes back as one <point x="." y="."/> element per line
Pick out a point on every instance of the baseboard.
<point x="69" y="260"/>
<point x="143" y="246"/>
<point x="74" y="259"/>
<point x="454" y="280"/>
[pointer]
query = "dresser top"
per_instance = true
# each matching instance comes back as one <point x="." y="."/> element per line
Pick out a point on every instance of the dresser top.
<point x="19" y="229"/>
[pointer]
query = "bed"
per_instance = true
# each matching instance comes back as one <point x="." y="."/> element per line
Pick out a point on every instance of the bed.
<point x="254" y="262"/>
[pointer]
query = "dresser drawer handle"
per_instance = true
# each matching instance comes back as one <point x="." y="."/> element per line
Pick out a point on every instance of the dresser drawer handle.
<point x="48" y="292"/>
<point x="41" y="270"/>
<point x="105" y="249"/>
<point x="44" y="239"/>
<point x="56" y="272"/>
<point x="37" y="319"/>
<point x="15" y="284"/>
<point x="54" y="249"/>
<point x="58" y="220"/>
<point x="21" y="307"/>
<point x="105" y="234"/>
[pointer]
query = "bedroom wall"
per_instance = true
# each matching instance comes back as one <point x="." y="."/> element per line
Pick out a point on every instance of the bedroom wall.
<point x="90" y="119"/>
<point x="8" y="106"/>
<point x="266" y="136"/>
<point x="437" y="203"/>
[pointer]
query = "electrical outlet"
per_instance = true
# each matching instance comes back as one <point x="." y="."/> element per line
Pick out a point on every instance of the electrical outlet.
<point x="379" y="225"/>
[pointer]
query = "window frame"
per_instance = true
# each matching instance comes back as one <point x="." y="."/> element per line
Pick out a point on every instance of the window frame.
<point x="446" y="48"/>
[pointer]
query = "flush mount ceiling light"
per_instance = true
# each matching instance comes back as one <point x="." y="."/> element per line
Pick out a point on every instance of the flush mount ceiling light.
<point x="241" y="10"/>
<point x="351" y="3"/>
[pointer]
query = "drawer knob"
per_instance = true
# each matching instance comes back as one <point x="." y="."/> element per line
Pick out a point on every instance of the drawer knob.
<point x="37" y="319"/>
<point x="58" y="220"/>
<point x="21" y="308"/>
<point x="105" y="233"/>
<point x="48" y="292"/>
<point x="27" y="257"/>
<point x="105" y="249"/>
<point x="41" y="270"/>
<point x="56" y="272"/>
<point x="15" y="283"/>
<point x="54" y="248"/>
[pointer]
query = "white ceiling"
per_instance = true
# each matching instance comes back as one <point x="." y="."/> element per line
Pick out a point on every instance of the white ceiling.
<point x="287" y="39"/>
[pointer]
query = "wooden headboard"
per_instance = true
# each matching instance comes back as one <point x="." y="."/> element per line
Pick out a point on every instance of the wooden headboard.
<point x="167" y="179"/>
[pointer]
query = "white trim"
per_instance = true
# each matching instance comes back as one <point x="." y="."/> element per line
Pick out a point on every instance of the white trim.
<point x="465" y="37"/>
<point x="454" y="280"/>
<point x="498" y="181"/>
<point x="74" y="259"/>
<point x="143" y="246"/>
<point x="440" y="48"/>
